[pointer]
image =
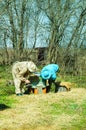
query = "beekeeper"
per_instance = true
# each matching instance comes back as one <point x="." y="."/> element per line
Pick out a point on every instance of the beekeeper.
<point x="48" y="74"/>
<point x="20" y="72"/>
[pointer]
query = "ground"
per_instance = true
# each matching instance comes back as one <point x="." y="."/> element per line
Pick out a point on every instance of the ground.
<point x="52" y="111"/>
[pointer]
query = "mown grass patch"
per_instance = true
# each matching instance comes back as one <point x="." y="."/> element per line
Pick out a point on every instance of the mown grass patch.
<point x="80" y="124"/>
<point x="66" y="106"/>
<point x="70" y="114"/>
<point x="57" y="111"/>
<point x="46" y="111"/>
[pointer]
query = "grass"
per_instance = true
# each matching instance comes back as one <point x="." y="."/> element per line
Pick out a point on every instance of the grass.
<point x="5" y="90"/>
<point x="5" y="76"/>
<point x="79" y="81"/>
<point x="6" y="102"/>
<point x="52" y="111"/>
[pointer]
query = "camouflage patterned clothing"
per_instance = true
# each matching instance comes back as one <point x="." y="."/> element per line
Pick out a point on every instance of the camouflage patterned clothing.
<point x="20" y="71"/>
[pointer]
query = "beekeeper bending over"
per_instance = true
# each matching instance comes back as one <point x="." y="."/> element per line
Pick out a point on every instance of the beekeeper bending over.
<point x="20" y="72"/>
<point x="48" y="74"/>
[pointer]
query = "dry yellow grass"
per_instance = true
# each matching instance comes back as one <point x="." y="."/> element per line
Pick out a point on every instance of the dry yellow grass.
<point x="68" y="85"/>
<point x="30" y="111"/>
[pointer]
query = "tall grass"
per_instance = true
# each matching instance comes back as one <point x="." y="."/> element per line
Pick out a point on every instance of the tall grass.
<point x="79" y="81"/>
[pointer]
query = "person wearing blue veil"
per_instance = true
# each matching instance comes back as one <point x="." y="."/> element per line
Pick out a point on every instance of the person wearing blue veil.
<point x="48" y="74"/>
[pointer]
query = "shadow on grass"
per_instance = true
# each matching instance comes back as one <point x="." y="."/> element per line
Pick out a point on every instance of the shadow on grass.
<point x="3" y="107"/>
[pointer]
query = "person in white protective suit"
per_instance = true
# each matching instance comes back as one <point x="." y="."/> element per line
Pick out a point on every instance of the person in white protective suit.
<point x="20" y="73"/>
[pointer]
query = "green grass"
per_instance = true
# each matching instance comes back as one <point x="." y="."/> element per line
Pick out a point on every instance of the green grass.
<point x="68" y="108"/>
<point x="5" y="72"/>
<point x="49" y="108"/>
<point x="6" y="102"/>
<point x="80" y="81"/>
<point x="5" y="75"/>
<point x="5" y="90"/>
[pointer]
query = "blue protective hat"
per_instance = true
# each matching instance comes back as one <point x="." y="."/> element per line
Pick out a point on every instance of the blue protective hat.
<point x="46" y="74"/>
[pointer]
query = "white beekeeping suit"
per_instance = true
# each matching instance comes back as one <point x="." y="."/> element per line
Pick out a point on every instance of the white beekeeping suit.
<point x="20" y="71"/>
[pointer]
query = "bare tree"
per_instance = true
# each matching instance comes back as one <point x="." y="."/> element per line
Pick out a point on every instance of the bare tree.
<point x="60" y="13"/>
<point x="16" y="18"/>
<point x="57" y="23"/>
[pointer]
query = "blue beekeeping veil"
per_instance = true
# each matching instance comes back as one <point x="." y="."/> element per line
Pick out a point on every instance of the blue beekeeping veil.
<point x="49" y="71"/>
<point x="46" y="74"/>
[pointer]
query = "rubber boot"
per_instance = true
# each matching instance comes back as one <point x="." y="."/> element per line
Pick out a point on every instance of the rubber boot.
<point x="35" y="91"/>
<point x="44" y="90"/>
